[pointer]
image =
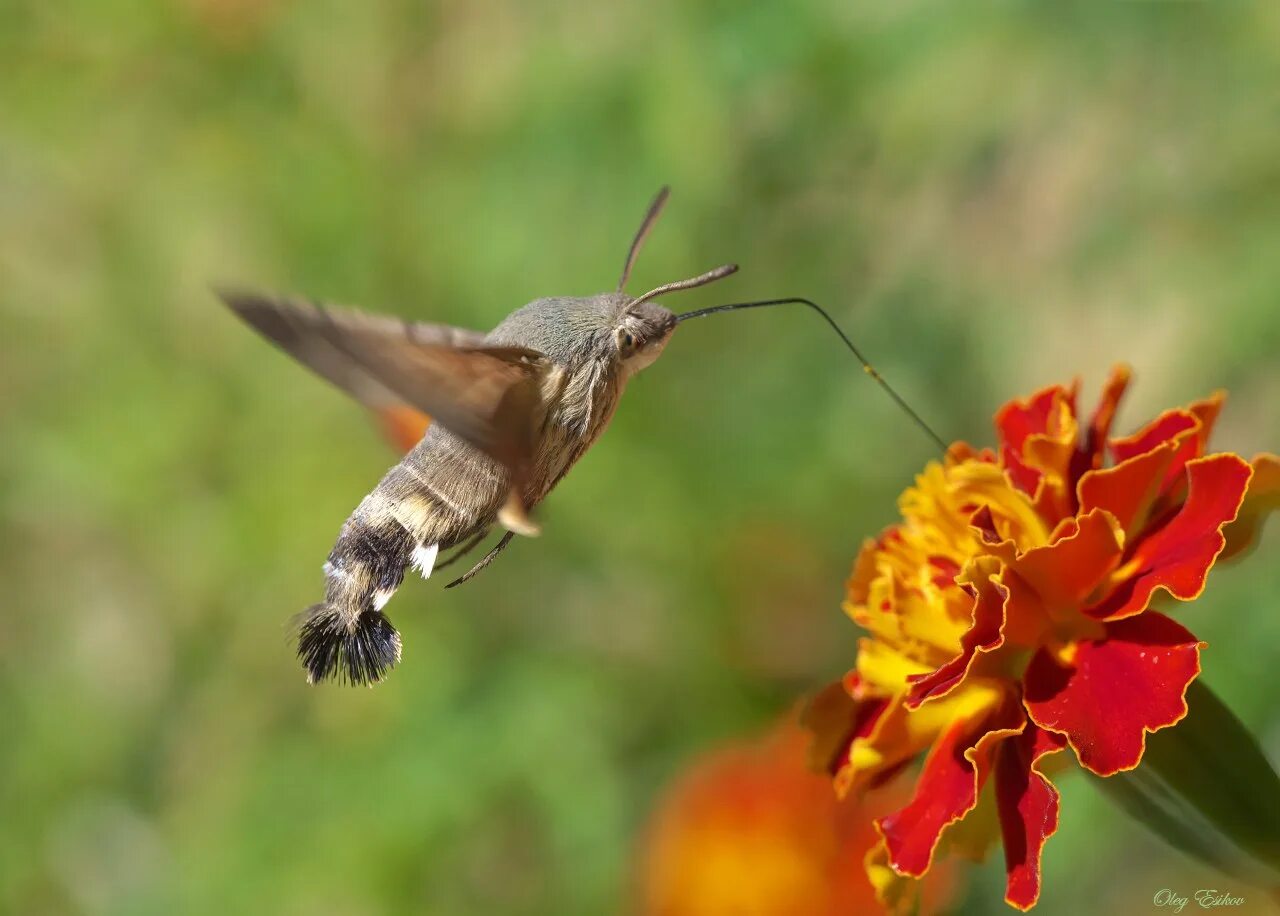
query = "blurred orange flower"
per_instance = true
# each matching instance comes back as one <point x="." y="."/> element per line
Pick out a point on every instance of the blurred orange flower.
<point x="752" y="830"/>
<point x="1010" y="615"/>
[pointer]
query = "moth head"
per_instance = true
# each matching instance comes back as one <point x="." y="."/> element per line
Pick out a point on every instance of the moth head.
<point x="615" y="330"/>
<point x="641" y="331"/>
<point x="642" y="327"/>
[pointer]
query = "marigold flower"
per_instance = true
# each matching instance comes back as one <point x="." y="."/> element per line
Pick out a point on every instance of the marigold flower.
<point x="1010" y="614"/>
<point x="752" y="829"/>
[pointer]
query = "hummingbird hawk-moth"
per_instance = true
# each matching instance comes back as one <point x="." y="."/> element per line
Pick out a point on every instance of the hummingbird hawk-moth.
<point x="511" y="412"/>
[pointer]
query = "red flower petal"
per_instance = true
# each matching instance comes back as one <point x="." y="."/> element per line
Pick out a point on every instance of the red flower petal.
<point x="1164" y="428"/>
<point x="947" y="789"/>
<point x="984" y="524"/>
<point x="1021" y="477"/>
<point x="1206" y="411"/>
<point x="1020" y="420"/>
<point x="1115" y="689"/>
<point x="1178" y="556"/>
<point x="945" y="570"/>
<point x="1103" y="415"/>
<point x="1189" y="426"/>
<point x="959" y="452"/>
<point x="1129" y="489"/>
<point x="983" y="636"/>
<point x="1067" y="571"/>
<point x="1260" y="500"/>
<point x="1028" y="807"/>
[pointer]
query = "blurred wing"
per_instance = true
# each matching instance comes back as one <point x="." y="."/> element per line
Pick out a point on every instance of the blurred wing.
<point x="487" y="396"/>
<point x="304" y="330"/>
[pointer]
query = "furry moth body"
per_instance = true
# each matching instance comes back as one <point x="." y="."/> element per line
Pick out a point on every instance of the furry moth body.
<point x="443" y="493"/>
<point x="512" y="410"/>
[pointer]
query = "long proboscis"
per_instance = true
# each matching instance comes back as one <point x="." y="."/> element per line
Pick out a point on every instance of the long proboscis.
<point x="866" y="365"/>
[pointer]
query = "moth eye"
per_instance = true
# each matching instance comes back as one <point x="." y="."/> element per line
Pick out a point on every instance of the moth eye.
<point x="626" y="341"/>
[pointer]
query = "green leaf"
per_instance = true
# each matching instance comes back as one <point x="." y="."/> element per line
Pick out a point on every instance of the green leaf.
<point x="1205" y="787"/>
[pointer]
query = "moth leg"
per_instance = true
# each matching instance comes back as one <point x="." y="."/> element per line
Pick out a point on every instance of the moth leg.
<point x="464" y="549"/>
<point x="485" y="560"/>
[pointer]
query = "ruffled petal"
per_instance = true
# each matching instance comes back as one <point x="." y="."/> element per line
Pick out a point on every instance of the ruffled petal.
<point x="1022" y="418"/>
<point x="883" y="668"/>
<point x="1067" y="572"/>
<point x="1189" y="427"/>
<point x="897" y="734"/>
<point x="1028" y="806"/>
<point x="1206" y="411"/>
<point x="983" y="636"/>
<point x="1167" y="427"/>
<point x="1129" y="489"/>
<point x="1037" y="436"/>
<point x="1260" y="500"/>
<point x="1099" y="428"/>
<point x="959" y="452"/>
<point x="947" y="789"/>
<point x="1115" y="689"/>
<point x="1178" y="556"/>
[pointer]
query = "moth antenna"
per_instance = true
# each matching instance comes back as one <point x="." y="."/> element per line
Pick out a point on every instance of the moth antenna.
<point x="710" y="276"/>
<point x="866" y="366"/>
<point x="650" y="217"/>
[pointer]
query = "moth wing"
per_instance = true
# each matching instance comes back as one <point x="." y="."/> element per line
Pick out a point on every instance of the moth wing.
<point x="487" y="396"/>
<point x="303" y="330"/>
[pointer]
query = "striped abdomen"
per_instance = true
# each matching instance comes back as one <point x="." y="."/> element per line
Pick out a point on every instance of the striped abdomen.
<point x="441" y="494"/>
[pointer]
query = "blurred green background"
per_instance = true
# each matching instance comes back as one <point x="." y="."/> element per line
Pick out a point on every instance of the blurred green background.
<point x="989" y="197"/>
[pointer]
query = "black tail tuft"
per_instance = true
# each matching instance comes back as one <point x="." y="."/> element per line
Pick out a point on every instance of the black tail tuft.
<point x="359" y="654"/>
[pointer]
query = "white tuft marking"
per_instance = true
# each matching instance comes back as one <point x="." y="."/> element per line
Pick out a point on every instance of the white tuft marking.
<point x="336" y="572"/>
<point x="424" y="558"/>
<point x="381" y="598"/>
